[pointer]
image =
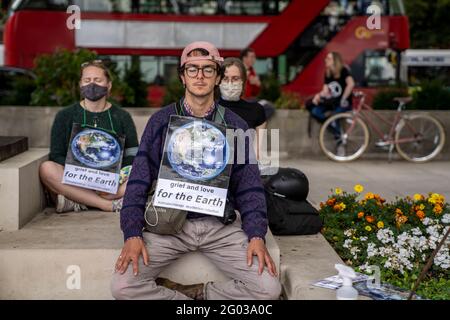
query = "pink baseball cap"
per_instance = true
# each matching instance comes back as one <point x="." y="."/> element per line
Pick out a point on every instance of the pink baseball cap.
<point x="212" y="50"/>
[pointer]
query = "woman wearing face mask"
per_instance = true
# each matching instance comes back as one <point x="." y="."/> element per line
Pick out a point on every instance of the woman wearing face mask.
<point x="92" y="111"/>
<point x="231" y="91"/>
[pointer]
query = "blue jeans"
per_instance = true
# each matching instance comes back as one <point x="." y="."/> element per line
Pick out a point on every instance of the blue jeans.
<point x="318" y="112"/>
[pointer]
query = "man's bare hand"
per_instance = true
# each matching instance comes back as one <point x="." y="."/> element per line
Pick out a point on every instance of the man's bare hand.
<point x="131" y="251"/>
<point x="257" y="248"/>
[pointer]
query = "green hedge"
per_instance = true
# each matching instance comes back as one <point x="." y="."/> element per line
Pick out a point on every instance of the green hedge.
<point x="431" y="95"/>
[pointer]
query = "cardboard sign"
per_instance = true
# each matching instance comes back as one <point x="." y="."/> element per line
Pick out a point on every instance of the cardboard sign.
<point x="195" y="167"/>
<point x="93" y="159"/>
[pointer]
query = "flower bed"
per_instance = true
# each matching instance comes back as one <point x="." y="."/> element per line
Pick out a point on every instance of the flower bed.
<point x="398" y="237"/>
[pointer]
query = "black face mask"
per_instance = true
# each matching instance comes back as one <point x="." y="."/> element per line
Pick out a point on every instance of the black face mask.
<point x="93" y="91"/>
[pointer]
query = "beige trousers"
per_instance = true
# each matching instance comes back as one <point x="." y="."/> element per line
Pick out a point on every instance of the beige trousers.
<point x="225" y="245"/>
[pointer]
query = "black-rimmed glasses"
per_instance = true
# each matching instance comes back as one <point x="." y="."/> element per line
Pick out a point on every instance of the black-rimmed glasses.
<point x="207" y="71"/>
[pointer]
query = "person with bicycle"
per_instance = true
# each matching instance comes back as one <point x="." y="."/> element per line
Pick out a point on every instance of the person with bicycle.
<point x="336" y="93"/>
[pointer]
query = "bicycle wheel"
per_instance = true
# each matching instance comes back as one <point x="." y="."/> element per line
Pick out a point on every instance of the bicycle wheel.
<point x="344" y="137"/>
<point x="419" y="138"/>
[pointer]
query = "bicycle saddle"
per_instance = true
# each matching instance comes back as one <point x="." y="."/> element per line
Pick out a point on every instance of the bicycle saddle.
<point x="403" y="99"/>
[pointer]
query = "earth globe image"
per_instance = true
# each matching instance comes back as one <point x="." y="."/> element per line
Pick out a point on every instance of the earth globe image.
<point x="198" y="151"/>
<point x="95" y="148"/>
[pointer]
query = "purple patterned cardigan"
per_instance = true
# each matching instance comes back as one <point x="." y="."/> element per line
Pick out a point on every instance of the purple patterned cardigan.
<point x="245" y="189"/>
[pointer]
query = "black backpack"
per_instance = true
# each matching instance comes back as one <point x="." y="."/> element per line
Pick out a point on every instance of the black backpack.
<point x="289" y="216"/>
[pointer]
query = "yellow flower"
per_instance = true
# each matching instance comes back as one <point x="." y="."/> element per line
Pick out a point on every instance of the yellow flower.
<point x="436" y="198"/>
<point x="380" y="224"/>
<point x="421" y="206"/>
<point x="368" y="228"/>
<point x="339" y="206"/>
<point x="338" y="190"/>
<point x="418" y="197"/>
<point x="358" y="188"/>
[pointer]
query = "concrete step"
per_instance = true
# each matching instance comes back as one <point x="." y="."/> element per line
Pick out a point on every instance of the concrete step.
<point x="44" y="259"/>
<point x="21" y="193"/>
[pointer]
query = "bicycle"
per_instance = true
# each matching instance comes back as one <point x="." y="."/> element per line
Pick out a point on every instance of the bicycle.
<point x="417" y="137"/>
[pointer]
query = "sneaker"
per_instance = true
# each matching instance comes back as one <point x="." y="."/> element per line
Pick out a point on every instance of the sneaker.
<point x="117" y="205"/>
<point x="66" y="205"/>
<point x="340" y="150"/>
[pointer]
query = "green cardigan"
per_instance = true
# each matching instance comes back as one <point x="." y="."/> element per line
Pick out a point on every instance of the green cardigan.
<point x="62" y="129"/>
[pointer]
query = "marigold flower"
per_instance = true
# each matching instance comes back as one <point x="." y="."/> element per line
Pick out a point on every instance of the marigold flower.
<point x="338" y="190"/>
<point x="360" y="215"/>
<point x="398" y="211"/>
<point x="368" y="228"/>
<point x="339" y="207"/>
<point x="369" y="195"/>
<point x="401" y="219"/>
<point x="437" y="209"/>
<point x="331" y="202"/>
<point x="420" y="214"/>
<point x="358" y="188"/>
<point x="436" y="198"/>
<point x="370" y="219"/>
<point x="418" y="197"/>
<point x="380" y="224"/>
<point x="421" y="206"/>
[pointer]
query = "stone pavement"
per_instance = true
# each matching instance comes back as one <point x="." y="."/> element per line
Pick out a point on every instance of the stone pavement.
<point x="399" y="178"/>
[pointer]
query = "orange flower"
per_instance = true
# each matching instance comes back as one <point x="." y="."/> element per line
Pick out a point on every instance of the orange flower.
<point x="360" y="215"/>
<point x="437" y="209"/>
<point x="370" y="219"/>
<point x="398" y="211"/>
<point x="420" y="214"/>
<point x="331" y="202"/>
<point x="400" y="219"/>
<point x="339" y="207"/>
<point x="369" y="195"/>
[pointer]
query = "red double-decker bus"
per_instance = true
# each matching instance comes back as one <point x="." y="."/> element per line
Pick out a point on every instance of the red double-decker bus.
<point x="290" y="38"/>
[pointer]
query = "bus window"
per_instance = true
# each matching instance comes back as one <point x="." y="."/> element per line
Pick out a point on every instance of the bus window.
<point x="380" y="68"/>
<point x="375" y="68"/>
<point x="192" y="7"/>
<point x="153" y="68"/>
<point x="40" y="5"/>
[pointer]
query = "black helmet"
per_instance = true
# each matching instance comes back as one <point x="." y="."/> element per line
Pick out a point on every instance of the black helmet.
<point x="290" y="183"/>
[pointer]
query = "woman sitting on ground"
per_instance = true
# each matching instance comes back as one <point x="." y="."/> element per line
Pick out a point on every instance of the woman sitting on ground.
<point x="95" y="111"/>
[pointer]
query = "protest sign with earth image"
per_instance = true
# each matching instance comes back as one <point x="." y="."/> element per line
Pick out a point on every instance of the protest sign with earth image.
<point x="195" y="167"/>
<point x="94" y="159"/>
